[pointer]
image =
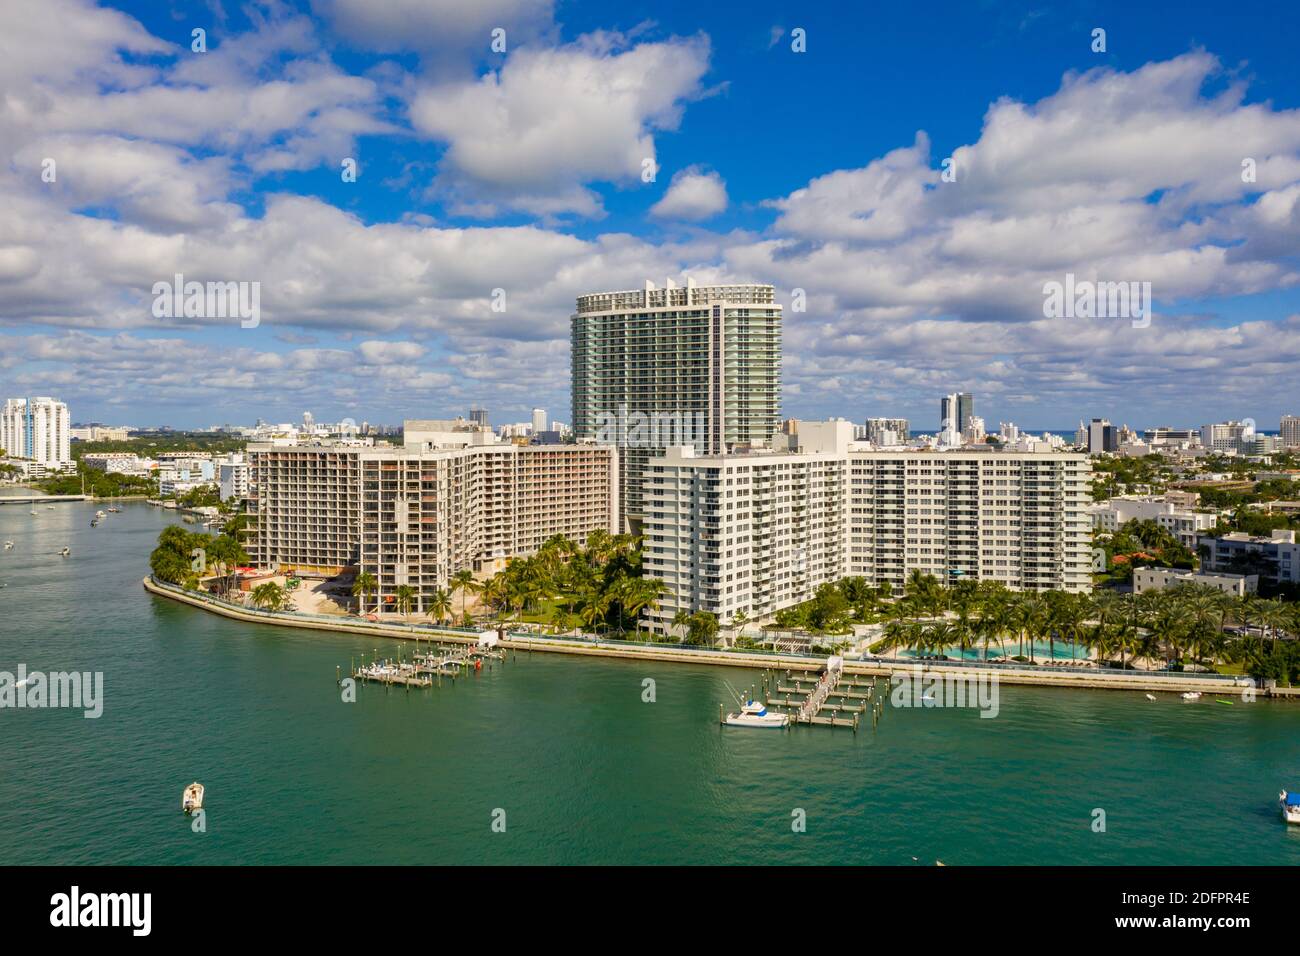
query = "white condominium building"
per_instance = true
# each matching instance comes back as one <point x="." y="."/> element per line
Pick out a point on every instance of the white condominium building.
<point x="36" y="428"/>
<point x="985" y="515"/>
<point x="232" y="477"/>
<point x="1182" y="522"/>
<point x="658" y="368"/>
<point x="415" y="515"/>
<point x="752" y="533"/>
<point x="757" y="532"/>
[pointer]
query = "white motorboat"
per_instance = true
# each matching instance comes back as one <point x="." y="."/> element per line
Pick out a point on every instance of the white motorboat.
<point x="1290" y="805"/>
<point x="754" y="713"/>
<point x="65" y="552"/>
<point x="1190" y="695"/>
<point x="1151" y="696"/>
<point x="9" y="545"/>
<point x="192" y="798"/>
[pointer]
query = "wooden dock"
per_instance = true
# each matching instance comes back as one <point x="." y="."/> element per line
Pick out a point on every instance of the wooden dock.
<point x="426" y="669"/>
<point x="825" y="698"/>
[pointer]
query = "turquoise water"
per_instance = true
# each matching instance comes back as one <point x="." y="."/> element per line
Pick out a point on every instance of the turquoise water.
<point x="584" y="770"/>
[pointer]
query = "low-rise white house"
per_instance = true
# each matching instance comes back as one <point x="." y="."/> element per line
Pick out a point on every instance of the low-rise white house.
<point x="1155" y="579"/>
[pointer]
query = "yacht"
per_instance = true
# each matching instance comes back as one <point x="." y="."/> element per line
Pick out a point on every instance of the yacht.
<point x="754" y="713"/>
<point x="1190" y="695"/>
<point x="9" y="545"/>
<point x="192" y="798"/>
<point x="1290" y="804"/>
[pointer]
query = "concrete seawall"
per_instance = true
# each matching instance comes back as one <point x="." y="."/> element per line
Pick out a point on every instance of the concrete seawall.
<point x="1080" y="678"/>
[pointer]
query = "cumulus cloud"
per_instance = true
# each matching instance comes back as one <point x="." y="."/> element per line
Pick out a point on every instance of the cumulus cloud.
<point x="532" y="134"/>
<point x="693" y="195"/>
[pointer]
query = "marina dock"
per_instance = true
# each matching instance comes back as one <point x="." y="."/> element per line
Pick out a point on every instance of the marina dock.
<point x="428" y="668"/>
<point x="825" y="698"/>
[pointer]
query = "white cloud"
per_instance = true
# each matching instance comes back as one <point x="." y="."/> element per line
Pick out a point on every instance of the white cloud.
<point x="693" y="195"/>
<point x="531" y="134"/>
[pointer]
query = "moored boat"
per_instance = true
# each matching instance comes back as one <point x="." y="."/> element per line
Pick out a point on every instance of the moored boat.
<point x="1290" y="804"/>
<point x="754" y="713"/>
<point x="192" y="798"/>
<point x="1190" y="695"/>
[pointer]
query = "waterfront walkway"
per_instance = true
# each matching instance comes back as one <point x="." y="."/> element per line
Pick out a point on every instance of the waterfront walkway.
<point x="1087" y="678"/>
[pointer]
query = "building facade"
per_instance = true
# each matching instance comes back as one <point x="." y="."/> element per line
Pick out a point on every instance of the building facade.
<point x="233" y="477"/>
<point x="1183" y="523"/>
<point x="36" y="428"/>
<point x="1288" y="431"/>
<point x="1275" y="558"/>
<point x="658" y="368"/>
<point x="754" y="533"/>
<point x="415" y="515"/>
<point x="1154" y="579"/>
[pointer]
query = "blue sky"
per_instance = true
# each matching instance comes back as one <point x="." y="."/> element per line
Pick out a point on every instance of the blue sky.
<point x="817" y="170"/>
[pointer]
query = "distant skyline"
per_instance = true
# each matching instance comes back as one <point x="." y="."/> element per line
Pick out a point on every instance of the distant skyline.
<point x="127" y="157"/>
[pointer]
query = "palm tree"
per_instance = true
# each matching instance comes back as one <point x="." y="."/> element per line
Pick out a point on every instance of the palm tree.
<point x="704" y="628"/>
<point x="464" y="582"/>
<point x="268" y="596"/>
<point x="440" y="606"/>
<point x="404" y="599"/>
<point x="363" y="585"/>
<point x="682" y="619"/>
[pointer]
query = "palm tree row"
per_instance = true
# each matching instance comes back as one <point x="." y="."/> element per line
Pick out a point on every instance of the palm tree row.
<point x="1186" y="621"/>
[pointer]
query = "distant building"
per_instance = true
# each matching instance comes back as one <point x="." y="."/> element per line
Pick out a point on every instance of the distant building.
<point x="1155" y="579"/>
<point x="1275" y="558"/>
<point x="886" y="431"/>
<point x="1103" y="437"/>
<point x="97" y="433"/>
<point x="539" y="420"/>
<point x="1226" y="437"/>
<point x="232" y="477"/>
<point x="36" y="428"/>
<point x="1185" y="524"/>
<point x="1289" y="431"/>
<point x="955" y="411"/>
<point x="479" y="416"/>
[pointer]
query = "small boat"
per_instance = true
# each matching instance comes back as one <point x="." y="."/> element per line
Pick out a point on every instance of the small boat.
<point x="9" y="545"/>
<point x="94" y="522"/>
<point x="1151" y="696"/>
<point x="192" y="798"/>
<point x="49" y="507"/>
<point x="1190" y="695"/>
<point x="754" y="713"/>
<point x="33" y="513"/>
<point x="1290" y="805"/>
<point x="113" y="509"/>
<point x="65" y="552"/>
<point x="99" y="514"/>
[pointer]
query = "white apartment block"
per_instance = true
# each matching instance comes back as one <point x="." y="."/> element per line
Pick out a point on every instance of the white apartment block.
<point x="752" y="533"/>
<point x="705" y="358"/>
<point x="1154" y="579"/>
<point x="985" y="515"/>
<point x="1183" y="523"/>
<point x="1225" y="437"/>
<point x="233" y="477"/>
<point x="758" y="532"/>
<point x="36" y="428"/>
<point x="1274" y="558"/>
<point x="416" y="514"/>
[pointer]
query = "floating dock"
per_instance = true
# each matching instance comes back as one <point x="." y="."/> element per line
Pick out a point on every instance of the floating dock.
<point x="426" y="669"/>
<point x="825" y="698"/>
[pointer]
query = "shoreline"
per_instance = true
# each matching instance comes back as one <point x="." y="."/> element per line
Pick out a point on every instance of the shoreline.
<point x="1067" y="678"/>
